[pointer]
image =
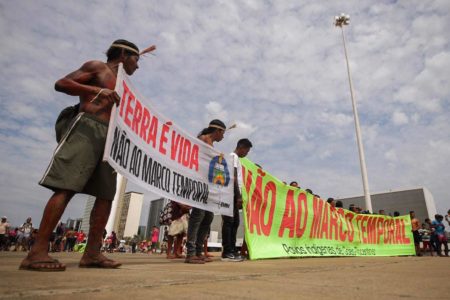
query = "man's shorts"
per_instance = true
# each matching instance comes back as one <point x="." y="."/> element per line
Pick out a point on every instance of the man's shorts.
<point x="416" y="236"/>
<point x="77" y="161"/>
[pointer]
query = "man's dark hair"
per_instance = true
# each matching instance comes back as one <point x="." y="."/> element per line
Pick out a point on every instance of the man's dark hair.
<point x="293" y="182"/>
<point x="212" y="127"/>
<point x="244" y="143"/>
<point x="309" y="191"/>
<point x="339" y="203"/>
<point x="396" y="214"/>
<point x="329" y="200"/>
<point x="115" y="50"/>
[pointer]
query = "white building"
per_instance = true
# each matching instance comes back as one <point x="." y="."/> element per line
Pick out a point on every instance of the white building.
<point x="87" y="214"/>
<point x="420" y="200"/>
<point x="126" y="219"/>
<point x="126" y="223"/>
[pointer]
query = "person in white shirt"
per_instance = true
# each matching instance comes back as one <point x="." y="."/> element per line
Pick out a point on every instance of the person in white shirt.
<point x="230" y="224"/>
<point x="4" y="230"/>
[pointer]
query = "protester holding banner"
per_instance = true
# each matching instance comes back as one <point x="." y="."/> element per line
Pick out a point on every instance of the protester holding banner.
<point x="230" y="224"/>
<point x="76" y="166"/>
<point x="416" y="225"/>
<point x="200" y="220"/>
<point x="439" y="234"/>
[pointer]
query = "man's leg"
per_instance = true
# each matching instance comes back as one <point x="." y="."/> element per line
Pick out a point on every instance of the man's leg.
<point x="52" y="214"/>
<point x="92" y="256"/>
<point x="195" y="220"/>
<point x="170" y="242"/>
<point x="227" y="229"/>
<point x="203" y="230"/>
<point x="234" y="229"/>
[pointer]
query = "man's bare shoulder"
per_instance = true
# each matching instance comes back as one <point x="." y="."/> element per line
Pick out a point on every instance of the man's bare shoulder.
<point x="93" y="65"/>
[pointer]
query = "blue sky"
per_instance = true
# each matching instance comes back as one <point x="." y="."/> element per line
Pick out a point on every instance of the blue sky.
<point x="276" y="68"/>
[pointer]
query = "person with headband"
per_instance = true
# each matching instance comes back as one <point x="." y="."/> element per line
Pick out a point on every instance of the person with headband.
<point x="200" y="220"/>
<point x="76" y="165"/>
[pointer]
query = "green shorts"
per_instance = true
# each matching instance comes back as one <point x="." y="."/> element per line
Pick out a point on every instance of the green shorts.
<point x="77" y="161"/>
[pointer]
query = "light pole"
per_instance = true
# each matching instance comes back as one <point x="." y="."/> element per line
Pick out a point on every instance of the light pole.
<point x="340" y="21"/>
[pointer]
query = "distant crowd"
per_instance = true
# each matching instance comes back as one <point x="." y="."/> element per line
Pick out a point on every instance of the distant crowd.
<point x="430" y="237"/>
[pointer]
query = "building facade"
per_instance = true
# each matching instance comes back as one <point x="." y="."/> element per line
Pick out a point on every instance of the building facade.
<point x="87" y="214"/>
<point x="420" y="200"/>
<point x="126" y="223"/>
<point x="156" y="206"/>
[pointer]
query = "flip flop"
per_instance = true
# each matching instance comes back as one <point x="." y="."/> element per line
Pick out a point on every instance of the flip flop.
<point x="104" y="264"/>
<point x="42" y="266"/>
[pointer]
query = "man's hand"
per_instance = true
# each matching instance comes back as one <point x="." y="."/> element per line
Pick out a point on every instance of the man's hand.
<point x="109" y="95"/>
<point x="239" y="203"/>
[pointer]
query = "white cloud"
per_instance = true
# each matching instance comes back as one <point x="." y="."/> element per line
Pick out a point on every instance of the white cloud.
<point x="399" y="118"/>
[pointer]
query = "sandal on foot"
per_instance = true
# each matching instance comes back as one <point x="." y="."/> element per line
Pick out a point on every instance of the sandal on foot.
<point x="52" y="265"/>
<point x="103" y="264"/>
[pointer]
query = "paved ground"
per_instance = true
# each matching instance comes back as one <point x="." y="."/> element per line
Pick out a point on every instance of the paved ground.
<point x="154" y="277"/>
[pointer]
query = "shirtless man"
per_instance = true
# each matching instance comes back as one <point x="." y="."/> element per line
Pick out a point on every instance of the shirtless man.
<point x="415" y="226"/>
<point x="77" y="166"/>
<point x="200" y="220"/>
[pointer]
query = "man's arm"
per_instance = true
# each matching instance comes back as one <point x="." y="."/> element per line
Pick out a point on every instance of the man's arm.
<point x="79" y="83"/>
<point x="237" y="191"/>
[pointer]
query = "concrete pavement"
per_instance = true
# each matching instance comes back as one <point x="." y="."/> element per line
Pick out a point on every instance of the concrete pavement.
<point x="153" y="276"/>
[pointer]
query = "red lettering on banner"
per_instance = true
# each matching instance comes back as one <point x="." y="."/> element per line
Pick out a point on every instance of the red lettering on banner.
<point x="194" y="158"/>
<point x="318" y="210"/>
<point x="372" y="230"/>
<point x="247" y="178"/>
<point x="333" y="223"/>
<point x="294" y="217"/>
<point x="255" y="207"/>
<point x="271" y="189"/>
<point x="398" y="232"/>
<point x="129" y="110"/>
<point x="180" y="150"/>
<point x="302" y="215"/>
<point x="153" y="131"/>
<point x="137" y="117"/>
<point x="145" y="124"/>
<point x="326" y="212"/>
<point x="342" y="233"/>
<point x="350" y="228"/>
<point x="380" y="229"/>
<point x="126" y="91"/>
<point x="186" y="153"/>
<point x="363" y="229"/>
<point x="358" y="225"/>
<point x="391" y="232"/>
<point x="405" y="239"/>
<point x="386" y="231"/>
<point x="163" y="139"/>
<point x="288" y="221"/>
<point x="174" y="145"/>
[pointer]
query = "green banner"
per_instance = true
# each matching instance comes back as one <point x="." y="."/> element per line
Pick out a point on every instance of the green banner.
<point x="283" y="221"/>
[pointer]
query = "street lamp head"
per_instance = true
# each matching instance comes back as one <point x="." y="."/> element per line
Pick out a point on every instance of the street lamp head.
<point x="341" y="20"/>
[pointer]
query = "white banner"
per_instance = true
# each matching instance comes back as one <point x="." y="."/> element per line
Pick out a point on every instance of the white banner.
<point x="149" y="150"/>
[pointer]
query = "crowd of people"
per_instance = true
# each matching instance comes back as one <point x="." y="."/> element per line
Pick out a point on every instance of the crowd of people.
<point x="22" y="238"/>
